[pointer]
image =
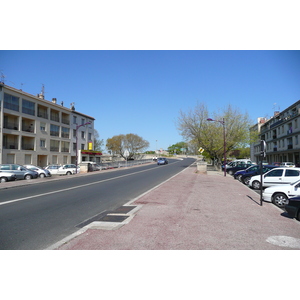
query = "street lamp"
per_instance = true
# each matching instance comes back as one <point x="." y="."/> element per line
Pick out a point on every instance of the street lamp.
<point x="223" y="123"/>
<point x="77" y="141"/>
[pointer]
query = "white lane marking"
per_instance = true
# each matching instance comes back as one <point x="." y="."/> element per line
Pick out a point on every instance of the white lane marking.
<point x="72" y="188"/>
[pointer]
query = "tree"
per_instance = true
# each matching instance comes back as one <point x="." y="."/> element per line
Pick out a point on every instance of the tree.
<point x="177" y="148"/>
<point x="98" y="144"/>
<point x="194" y="127"/>
<point x="133" y="143"/>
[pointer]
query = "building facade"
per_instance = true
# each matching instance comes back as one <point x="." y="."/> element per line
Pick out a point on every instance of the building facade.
<point x="41" y="132"/>
<point x="281" y="134"/>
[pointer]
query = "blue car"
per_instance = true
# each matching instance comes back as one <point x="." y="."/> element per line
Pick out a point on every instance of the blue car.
<point x="162" y="161"/>
<point x="246" y="175"/>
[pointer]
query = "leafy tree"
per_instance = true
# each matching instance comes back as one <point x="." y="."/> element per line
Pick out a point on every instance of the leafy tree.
<point x="195" y="127"/>
<point x="176" y="148"/>
<point x="133" y="143"/>
<point x="98" y="144"/>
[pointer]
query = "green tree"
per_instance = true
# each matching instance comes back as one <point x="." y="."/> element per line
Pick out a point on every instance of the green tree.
<point x="133" y="143"/>
<point x="98" y="143"/>
<point x="177" y="148"/>
<point x="195" y="127"/>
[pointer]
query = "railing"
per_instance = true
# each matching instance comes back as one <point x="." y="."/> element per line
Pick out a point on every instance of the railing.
<point x="122" y="164"/>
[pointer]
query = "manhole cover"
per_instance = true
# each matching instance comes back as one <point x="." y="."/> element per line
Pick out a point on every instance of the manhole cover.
<point x="124" y="209"/>
<point x="113" y="218"/>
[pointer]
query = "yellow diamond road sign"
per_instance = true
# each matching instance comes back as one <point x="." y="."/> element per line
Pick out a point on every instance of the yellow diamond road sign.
<point x="201" y="150"/>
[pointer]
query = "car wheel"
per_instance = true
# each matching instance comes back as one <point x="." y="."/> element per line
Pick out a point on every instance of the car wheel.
<point x="230" y="172"/>
<point x="279" y="199"/>
<point x="256" y="185"/>
<point x="239" y="177"/>
<point x="69" y="173"/>
<point x="247" y="180"/>
<point x="298" y="216"/>
<point x="42" y="175"/>
<point x="28" y="177"/>
<point x="3" y="179"/>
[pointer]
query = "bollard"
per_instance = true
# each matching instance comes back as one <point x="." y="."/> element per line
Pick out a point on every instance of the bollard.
<point x="202" y="167"/>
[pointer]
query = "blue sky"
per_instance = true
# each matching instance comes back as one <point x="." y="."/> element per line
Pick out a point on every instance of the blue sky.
<point x="142" y="92"/>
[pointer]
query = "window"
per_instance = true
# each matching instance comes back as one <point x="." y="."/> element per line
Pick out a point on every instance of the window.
<point x="90" y="136"/>
<point x="74" y="133"/>
<point x="28" y="107"/>
<point x="82" y="134"/>
<point x="43" y="126"/>
<point x="11" y="102"/>
<point x="74" y="119"/>
<point x="275" y="173"/>
<point x="291" y="173"/>
<point x="82" y="121"/>
<point x="54" y="130"/>
<point x="65" y="132"/>
<point x="42" y="143"/>
<point x="65" y="146"/>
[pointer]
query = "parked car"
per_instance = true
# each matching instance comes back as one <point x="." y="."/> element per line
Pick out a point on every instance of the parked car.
<point x="252" y="171"/>
<point x="238" y="161"/>
<point x="7" y="176"/>
<point x="279" y="194"/>
<point x="292" y="207"/>
<point x="162" y="161"/>
<point x="20" y="171"/>
<point x="62" y="170"/>
<point x="42" y="172"/>
<point x="287" y="164"/>
<point x="277" y="176"/>
<point x="237" y="167"/>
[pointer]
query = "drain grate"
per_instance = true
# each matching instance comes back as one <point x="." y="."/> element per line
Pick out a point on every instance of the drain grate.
<point x="124" y="209"/>
<point x="107" y="217"/>
<point x="113" y="218"/>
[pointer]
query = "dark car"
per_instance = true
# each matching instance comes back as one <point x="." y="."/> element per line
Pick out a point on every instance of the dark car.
<point x="245" y="175"/>
<point x="292" y="207"/>
<point x="238" y="167"/>
<point x="162" y="161"/>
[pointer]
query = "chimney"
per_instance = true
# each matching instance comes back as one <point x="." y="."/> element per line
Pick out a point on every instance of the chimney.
<point x="54" y="100"/>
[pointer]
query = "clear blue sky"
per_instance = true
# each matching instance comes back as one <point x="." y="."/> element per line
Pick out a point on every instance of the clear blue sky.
<point x="142" y="92"/>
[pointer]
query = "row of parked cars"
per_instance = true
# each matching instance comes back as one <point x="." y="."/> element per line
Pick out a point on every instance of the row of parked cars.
<point x="11" y="172"/>
<point x="280" y="181"/>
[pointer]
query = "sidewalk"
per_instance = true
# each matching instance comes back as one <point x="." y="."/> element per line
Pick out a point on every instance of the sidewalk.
<point x="192" y="211"/>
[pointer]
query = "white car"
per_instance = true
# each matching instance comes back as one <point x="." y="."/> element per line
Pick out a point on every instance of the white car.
<point x="277" y="176"/>
<point x="278" y="194"/>
<point x="62" y="170"/>
<point x="287" y="164"/>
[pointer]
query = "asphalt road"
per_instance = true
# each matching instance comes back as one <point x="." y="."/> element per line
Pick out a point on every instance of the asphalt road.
<point x="37" y="216"/>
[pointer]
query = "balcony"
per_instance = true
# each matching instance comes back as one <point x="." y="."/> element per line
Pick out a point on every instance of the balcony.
<point x="27" y="143"/>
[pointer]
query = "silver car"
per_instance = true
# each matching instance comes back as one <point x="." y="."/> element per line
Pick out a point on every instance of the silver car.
<point x="42" y="172"/>
<point x="20" y="171"/>
<point x="7" y="176"/>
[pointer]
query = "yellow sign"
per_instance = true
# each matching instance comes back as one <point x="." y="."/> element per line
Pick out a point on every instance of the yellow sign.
<point x="201" y="150"/>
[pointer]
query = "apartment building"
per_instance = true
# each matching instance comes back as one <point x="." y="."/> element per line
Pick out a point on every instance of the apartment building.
<point x="281" y="134"/>
<point x="41" y="132"/>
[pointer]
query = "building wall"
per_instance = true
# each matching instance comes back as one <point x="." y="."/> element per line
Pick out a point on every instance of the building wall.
<point x="282" y="136"/>
<point x="40" y="132"/>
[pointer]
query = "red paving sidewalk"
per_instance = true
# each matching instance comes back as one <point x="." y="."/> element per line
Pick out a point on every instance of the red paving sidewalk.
<point x="193" y="211"/>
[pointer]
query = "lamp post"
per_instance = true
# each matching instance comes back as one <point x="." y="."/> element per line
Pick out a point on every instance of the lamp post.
<point x="77" y="141"/>
<point x="224" y="136"/>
